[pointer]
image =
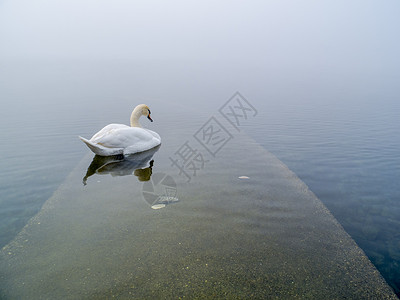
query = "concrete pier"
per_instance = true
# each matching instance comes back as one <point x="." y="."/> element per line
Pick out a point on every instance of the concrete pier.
<point x="265" y="237"/>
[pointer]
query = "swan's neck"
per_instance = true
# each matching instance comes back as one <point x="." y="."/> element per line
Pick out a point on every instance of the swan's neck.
<point x="136" y="114"/>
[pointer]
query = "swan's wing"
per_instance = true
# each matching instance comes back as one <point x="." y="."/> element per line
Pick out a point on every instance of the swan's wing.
<point x="106" y="131"/>
<point x="123" y="137"/>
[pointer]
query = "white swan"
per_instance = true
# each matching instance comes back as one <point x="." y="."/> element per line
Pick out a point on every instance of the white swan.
<point x="115" y="139"/>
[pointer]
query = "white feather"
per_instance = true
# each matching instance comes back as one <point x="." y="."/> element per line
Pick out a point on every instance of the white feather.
<point x="116" y="139"/>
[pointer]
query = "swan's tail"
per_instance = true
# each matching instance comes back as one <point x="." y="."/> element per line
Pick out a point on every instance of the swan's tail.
<point x="91" y="146"/>
<point x="101" y="150"/>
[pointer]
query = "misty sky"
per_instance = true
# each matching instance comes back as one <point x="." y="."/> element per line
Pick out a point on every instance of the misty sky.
<point x="296" y="33"/>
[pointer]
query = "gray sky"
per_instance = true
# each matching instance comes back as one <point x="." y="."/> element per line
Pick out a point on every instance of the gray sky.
<point x="295" y="33"/>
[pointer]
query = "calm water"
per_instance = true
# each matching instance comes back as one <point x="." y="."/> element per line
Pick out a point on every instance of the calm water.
<point x="341" y="137"/>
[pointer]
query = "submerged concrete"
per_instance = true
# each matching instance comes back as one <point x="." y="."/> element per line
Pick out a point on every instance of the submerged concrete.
<point x="265" y="236"/>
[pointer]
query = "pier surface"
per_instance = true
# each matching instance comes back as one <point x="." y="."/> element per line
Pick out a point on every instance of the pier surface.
<point x="264" y="235"/>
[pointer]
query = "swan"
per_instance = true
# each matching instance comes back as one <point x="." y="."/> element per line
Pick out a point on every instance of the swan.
<point x="117" y="139"/>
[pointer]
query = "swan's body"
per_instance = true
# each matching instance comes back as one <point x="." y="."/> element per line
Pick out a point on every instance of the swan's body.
<point x="116" y="139"/>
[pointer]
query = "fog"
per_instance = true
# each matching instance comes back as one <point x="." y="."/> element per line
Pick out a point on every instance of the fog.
<point x="360" y="35"/>
<point x="323" y="74"/>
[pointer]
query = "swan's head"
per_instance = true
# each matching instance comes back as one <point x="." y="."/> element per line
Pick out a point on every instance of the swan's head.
<point x="145" y="111"/>
<point x="140" y="110"/>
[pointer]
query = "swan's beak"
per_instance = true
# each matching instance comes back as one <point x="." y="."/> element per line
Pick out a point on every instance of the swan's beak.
<point x="148" y="117"/>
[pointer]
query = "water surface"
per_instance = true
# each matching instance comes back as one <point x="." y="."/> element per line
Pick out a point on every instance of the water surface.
<point x="263" y="236"/>
<point x="340" y="136"/>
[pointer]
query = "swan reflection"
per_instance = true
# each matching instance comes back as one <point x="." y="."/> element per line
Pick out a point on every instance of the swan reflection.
<point x="139" y="164"/>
